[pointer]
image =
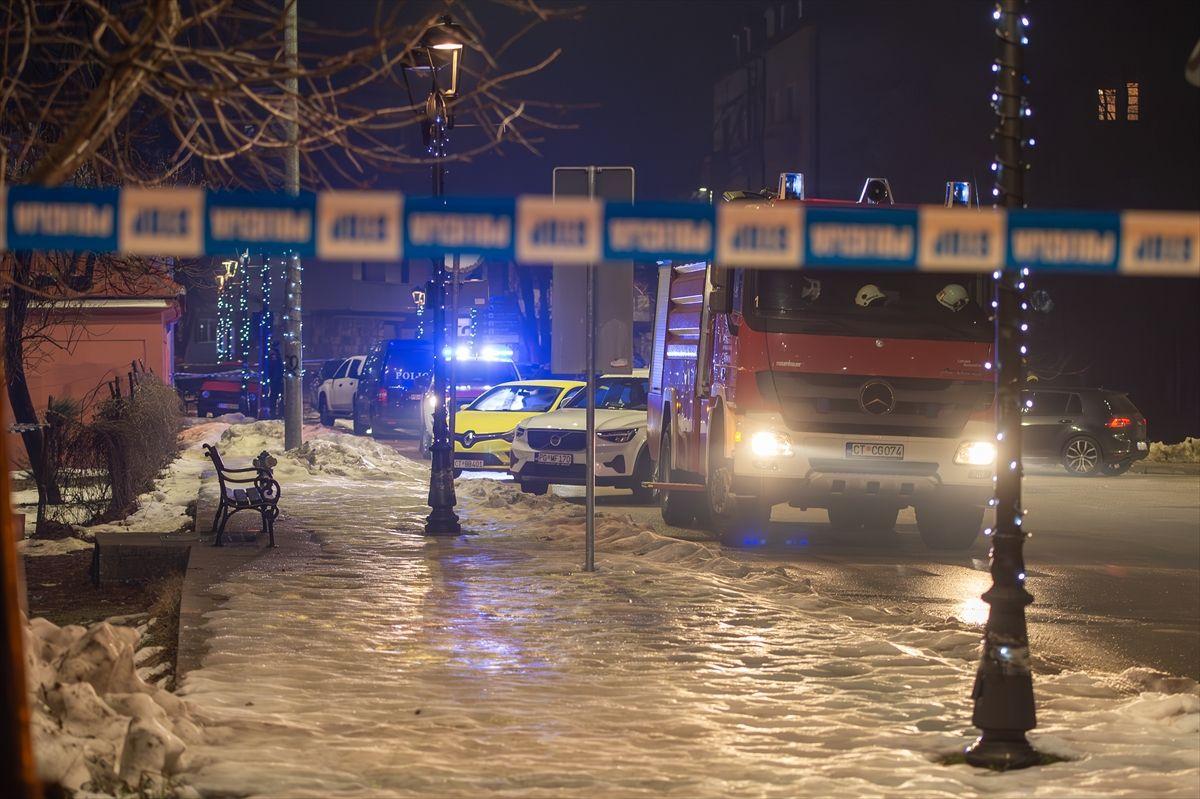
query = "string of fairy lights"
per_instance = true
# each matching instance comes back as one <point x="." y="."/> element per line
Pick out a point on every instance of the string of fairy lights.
<point x="234" y="321"/>
<point x="1006" y="97"/>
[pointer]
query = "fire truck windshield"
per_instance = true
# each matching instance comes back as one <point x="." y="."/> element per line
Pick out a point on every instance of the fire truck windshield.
<point x="878" y="304"/>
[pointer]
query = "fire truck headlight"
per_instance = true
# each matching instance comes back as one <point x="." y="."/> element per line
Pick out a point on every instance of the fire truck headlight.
<point x="975" y="453"/>
<point x="770" y="444"/>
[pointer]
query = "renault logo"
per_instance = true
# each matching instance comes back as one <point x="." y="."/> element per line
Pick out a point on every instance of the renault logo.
<point x="468" y="439"/>
<point x="877" y="397"/>
<point x="555" y="440"/>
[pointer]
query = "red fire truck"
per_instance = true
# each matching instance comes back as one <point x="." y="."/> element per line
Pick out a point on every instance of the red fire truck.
<point x="861" y="392"/>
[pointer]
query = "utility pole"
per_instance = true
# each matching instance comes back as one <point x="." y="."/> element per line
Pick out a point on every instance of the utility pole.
<point x="1003" y="692"/>
<point x="293" y="343"/>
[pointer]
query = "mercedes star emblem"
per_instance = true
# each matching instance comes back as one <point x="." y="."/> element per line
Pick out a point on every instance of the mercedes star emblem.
<point x="877" y="397"/>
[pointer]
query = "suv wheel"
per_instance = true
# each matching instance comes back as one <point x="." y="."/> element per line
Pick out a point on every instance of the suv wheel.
<point x="360" y="427"/>
<point x="949" y="526"/>
<point x="643" y="472"/>
<point x="1081" y="457"/>
<point x="536" y="487"/>
<point x="323" y="409"/>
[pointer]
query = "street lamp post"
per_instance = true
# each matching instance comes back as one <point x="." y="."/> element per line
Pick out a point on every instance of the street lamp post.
<point x="442" y="46"/>
<point x="1003" y="692"/>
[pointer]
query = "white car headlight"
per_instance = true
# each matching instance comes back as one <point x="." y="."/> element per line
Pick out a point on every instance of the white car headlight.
<point x="975" y="453"/>
<point x="431" y="400"/>
<point x="618" y="436"/>
<point x="770" y="444"/>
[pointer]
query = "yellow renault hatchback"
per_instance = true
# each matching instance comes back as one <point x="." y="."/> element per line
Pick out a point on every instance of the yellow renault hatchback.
<point x="483" y="431"/>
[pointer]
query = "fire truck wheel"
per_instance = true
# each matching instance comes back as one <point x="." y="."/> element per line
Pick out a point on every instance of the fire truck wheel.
<point x="949" y="526"/>
<point x="678" y="508"/>
<point x="738" y="521"/>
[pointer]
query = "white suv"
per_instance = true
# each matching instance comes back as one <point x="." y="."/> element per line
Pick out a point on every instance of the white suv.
<point x="550" y="448"/>
<point x="335" y="396"/>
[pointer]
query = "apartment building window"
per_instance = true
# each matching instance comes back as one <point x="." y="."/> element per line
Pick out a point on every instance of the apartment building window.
<point x="1107" y="109"/>
<point x="206" y="331"/>
<point x="1132" y="102"/>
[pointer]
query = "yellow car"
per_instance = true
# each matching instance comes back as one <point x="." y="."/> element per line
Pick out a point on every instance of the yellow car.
<point x="483" y="431"/>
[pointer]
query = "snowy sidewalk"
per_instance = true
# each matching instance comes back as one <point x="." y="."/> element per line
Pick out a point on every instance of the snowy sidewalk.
<point x="382" y="663"/>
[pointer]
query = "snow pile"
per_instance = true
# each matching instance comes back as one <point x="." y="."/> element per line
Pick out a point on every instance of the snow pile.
<point x="328" y="452"/>
<point x="1186" y="451"/>
<point x="97" y="726"/>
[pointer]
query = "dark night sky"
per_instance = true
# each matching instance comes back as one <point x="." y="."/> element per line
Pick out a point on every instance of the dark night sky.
<point x="649" y="67"/>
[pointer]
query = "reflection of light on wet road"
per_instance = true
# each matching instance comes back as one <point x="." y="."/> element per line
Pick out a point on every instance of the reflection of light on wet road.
<point x="972" y="610"/>
<point x="970" y="586"/>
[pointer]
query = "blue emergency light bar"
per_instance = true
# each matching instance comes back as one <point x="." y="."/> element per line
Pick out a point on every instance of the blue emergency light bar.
<point x="386" y="226"/>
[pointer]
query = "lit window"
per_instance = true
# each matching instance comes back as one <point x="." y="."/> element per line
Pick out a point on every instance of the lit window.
<point x="1131" y="102"/>
<point x="1107" y="110"/>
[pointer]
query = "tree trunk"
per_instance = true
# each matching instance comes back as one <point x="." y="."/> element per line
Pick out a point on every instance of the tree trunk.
<point x="24" y="412"/>
<point x="529" y="326"/>
<point x="543" y="313"/>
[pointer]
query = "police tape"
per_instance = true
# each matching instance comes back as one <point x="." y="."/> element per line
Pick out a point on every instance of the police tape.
<point x="387" y="226"/>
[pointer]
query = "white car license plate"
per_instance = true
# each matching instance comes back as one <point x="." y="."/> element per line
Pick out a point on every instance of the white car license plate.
<point x="871" y="451"/>
<point x="554" y="458"/>
<point x="1141" y="445"/>
<point x="465" y="463"/>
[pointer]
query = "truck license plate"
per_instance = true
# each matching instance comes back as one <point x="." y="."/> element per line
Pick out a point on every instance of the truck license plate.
<point x="554" y="458"/>
<point x="870" y="451"/>
<point x="468" y="463"/>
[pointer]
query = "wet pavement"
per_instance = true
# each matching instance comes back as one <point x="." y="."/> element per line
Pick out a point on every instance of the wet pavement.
<point x="1113" y="564"/>
<point x="372" y="661"/>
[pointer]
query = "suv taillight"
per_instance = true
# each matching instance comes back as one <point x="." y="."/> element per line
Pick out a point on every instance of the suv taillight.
<point x="1119" y="421"/>
<point x="381" y="396"/>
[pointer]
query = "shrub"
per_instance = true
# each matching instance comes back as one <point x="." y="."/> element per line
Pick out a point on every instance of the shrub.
<point x="137" y="437"/>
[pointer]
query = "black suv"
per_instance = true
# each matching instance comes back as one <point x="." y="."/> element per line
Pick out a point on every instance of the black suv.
<point x="1090" y="431"/>
<point x="391" y="388"/>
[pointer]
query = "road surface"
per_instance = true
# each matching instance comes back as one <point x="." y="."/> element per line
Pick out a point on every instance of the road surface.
<point x="1113" y="564"/>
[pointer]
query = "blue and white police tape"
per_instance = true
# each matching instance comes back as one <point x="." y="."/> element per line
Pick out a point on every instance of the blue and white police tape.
<point x="386" y="226"/>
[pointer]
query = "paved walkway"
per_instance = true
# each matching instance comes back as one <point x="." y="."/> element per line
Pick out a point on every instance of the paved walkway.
<point x="382" y="663"/>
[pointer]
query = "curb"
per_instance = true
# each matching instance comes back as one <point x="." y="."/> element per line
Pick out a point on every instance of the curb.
<point x="1154" y="467"/>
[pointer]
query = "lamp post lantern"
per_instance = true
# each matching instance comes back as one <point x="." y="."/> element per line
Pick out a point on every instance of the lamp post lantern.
<point x="442" y="47"/>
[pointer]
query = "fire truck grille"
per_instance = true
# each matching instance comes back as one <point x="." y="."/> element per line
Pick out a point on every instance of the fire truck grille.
<point x="833" y="403"/>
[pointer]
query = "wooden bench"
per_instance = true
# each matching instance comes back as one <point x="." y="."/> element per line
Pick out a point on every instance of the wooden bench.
<point x="261" y="493"/>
